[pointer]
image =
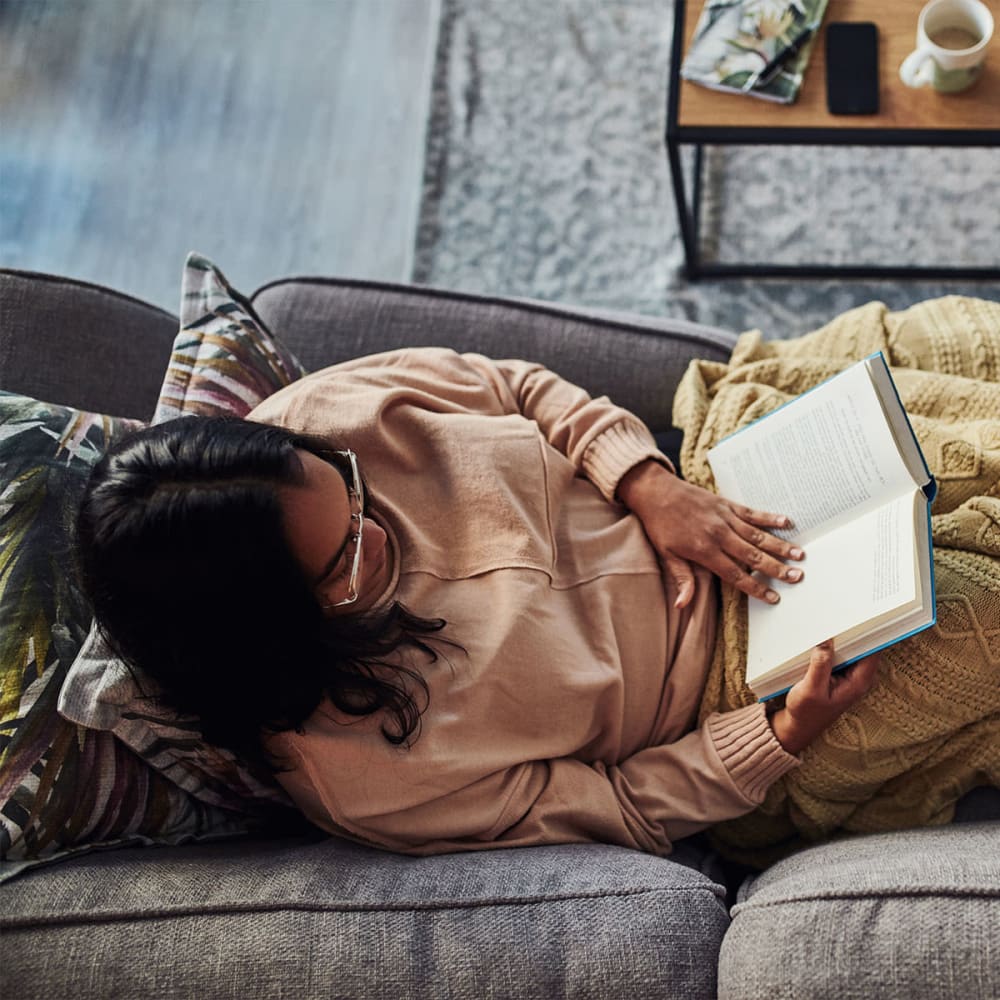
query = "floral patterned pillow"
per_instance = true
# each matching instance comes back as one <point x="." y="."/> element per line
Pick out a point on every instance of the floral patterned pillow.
<point x="225" y="361"/>
<point x="64" y="788"/>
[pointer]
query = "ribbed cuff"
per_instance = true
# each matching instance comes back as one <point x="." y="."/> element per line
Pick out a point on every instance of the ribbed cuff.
<point x="620" y="448"/>
<point x="749" y="749"/>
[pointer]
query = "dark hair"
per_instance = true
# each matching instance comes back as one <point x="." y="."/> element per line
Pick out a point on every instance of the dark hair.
<point x="182" y="553"/>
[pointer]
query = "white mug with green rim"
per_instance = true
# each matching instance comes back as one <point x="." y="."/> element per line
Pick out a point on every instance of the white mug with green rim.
<point x="952" y="36"/>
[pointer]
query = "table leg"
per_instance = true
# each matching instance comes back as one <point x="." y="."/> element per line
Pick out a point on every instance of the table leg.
<point x="696" y="197"/>
<point x="686" y="218"/>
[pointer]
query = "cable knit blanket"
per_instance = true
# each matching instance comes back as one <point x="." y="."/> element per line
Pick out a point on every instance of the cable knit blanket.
<point x="929" y="730"/>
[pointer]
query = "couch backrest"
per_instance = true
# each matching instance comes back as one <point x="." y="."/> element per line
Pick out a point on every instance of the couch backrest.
<point x="71" y="342"/>
<point x="636" y="360"/>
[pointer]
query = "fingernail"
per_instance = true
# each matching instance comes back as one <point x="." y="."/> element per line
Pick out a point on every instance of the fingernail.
<point x="794" y="575"/>
<point x="796" y="553"/>
<point x="772" y="597"/>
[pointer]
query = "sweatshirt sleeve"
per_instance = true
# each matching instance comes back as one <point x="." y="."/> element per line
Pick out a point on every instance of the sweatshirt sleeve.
<point x="601" y="439"/>
<point x="646" y="802"/>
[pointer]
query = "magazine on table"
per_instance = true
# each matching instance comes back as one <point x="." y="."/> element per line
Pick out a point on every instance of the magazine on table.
<point x="756" y="47"/>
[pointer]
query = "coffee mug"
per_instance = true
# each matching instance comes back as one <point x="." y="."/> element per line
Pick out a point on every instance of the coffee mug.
<point x="952" y="36"/>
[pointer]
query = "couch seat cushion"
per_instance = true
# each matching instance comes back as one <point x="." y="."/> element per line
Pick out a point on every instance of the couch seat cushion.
<point x="302" y="918"/>
<point x="903" y="915"/>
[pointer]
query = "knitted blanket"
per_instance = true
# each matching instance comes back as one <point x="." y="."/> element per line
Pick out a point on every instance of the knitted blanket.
<point x="929" y="730"/>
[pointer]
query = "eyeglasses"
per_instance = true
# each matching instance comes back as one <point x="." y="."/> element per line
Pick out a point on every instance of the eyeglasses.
<point x="352" y="550"/>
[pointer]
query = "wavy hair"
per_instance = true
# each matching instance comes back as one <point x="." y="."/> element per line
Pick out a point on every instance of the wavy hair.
<point x="182" y="552"/>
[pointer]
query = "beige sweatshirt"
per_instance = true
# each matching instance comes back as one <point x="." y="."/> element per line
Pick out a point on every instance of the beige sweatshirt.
<point x="567" y="717"/>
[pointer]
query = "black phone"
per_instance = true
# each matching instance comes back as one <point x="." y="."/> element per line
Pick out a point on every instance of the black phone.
<point x="852" y="68"/>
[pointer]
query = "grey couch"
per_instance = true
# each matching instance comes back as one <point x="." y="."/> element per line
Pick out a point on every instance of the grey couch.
<point x="913" y="914"/>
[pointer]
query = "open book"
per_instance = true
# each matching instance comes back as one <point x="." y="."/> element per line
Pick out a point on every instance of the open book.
<point x="843" y="463"/>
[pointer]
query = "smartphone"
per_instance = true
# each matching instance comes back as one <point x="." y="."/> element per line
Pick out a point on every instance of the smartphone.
<point x="852" y="68"/>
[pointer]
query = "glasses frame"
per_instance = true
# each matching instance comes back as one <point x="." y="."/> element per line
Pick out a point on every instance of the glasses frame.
<point x="356" y="498"/>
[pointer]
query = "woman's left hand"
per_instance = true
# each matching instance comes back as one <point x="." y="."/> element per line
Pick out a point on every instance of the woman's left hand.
<point x="821" y="697"/>
<point x="686" y="524"/>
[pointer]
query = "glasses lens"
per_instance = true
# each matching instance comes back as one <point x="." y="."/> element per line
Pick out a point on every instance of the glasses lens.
<point x="356" y="495"/>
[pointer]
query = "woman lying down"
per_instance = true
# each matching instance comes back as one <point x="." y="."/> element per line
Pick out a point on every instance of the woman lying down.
<point x="451" y="603"/>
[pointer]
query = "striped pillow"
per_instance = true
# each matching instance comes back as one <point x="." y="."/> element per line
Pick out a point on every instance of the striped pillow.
<point x="102" y="693"/>
<point x="225" y="360"/>
<point x="64" y="789"/>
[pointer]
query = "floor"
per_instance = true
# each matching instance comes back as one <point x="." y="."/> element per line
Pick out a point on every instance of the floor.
<point x="277" y="137"/>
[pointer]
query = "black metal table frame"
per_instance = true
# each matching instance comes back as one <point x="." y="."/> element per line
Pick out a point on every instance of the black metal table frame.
<point x="699" y="136"/>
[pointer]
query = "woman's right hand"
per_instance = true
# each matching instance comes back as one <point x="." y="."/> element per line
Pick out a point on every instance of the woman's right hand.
<point x="821" y="697"/>
<point x="688" y="524"/>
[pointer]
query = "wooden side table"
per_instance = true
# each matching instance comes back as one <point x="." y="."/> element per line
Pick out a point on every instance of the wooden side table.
<point x="697" y="116"/>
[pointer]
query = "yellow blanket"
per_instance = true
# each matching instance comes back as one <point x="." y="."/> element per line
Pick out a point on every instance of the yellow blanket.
<point x="930" y="728"/>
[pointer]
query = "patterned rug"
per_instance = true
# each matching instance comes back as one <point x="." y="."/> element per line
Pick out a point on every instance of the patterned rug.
<point x="546" y="176"/>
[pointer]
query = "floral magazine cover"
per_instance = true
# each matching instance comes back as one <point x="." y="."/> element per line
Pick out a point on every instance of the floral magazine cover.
<point x="736" y="39"/>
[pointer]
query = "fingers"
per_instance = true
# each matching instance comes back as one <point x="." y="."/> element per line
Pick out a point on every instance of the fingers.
<point x="816" y="701"/>
<point x="733" y="573"/>
<point x="859" y="677"/>
<point x="820" y="666"/>
<point x="761" y="518"/>
<point x="849" y="684"/>
<point x="731" y="540"/>
<point x="725" y="568"/>
<point x="679" y="570"/>
<point x="761" y="551"/>
<point x="757" y="560"/>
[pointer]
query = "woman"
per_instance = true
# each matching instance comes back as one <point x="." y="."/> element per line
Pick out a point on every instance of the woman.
<point x="455" y="603"/>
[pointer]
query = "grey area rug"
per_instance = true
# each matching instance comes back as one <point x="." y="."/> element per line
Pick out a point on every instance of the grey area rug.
<point x="546" y="177"/>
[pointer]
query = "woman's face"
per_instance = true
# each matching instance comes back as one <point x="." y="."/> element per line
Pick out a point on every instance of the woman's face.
<point x="318" y="524"/>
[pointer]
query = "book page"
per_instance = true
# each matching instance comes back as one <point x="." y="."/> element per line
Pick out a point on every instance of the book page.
<point x="854" y="574"/>
<point x="895" y="414"/>
<point x="821" y="459"/>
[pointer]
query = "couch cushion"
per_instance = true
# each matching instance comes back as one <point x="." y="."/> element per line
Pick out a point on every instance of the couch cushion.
<point x="101" y="693"/>
<point x="81" y="344"/>
<point x="304" y="919"/>
<point x="62" y="788"/>
<point x="636" y="360"/>
<point x="225" y="361"/>
<point x="904" y="915"/>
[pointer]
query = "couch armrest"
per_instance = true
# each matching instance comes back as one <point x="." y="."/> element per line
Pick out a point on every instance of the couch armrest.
<point x="72" y="342"/>
<point x="636" y="360"/>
